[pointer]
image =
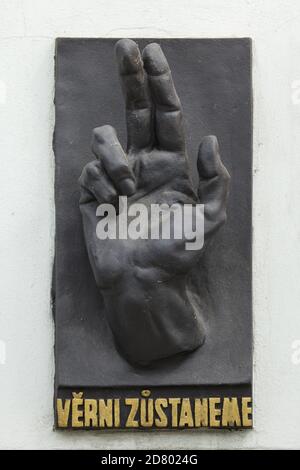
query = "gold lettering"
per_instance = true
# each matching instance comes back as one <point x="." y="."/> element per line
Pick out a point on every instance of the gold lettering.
<point x="231" y="413"/>
<point x="247" y="411"/>
<point x="63" y="412"/>
<point x="146" y="417"/>
<point x="186" y="417"/>
<point x="214" y="412"/>
<point x="148" y="412"/>
<point x="162" y="420"/>
<point x="134" y="403"/>
<point x="117" y="412"/>
<point x="90" y="413"/>
<point x="105" y="413"/>
<point x="201" y="412"/>
<point x="77" y="414"/>
<point x="174" y="402"/>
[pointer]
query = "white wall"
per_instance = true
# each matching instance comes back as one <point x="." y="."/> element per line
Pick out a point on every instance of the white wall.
<point x="27" y="32"/>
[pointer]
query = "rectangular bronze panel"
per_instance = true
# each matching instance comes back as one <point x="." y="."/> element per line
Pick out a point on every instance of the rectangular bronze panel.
<point x="213" y="80"/>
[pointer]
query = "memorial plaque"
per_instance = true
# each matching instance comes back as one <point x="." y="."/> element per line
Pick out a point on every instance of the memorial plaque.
<point x="152" y="279"/>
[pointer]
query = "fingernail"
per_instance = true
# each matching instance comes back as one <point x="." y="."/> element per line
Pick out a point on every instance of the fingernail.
<point x="127" y="186"/>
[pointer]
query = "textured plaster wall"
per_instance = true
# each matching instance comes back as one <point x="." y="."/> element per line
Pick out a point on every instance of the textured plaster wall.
<point x="27" y="32"/>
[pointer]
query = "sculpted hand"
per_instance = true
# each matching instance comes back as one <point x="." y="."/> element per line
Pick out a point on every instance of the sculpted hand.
<point x="144" y="282"/>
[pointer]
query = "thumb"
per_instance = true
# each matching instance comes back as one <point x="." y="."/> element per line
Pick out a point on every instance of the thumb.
<point x="213" y="183"/>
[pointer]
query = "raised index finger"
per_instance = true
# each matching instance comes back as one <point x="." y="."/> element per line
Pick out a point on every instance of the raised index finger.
<point x="136" y="93"/>
<point x="169" y="120"/>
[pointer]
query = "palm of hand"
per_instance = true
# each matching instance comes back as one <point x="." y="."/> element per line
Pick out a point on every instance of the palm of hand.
<point x="144" y="282"/>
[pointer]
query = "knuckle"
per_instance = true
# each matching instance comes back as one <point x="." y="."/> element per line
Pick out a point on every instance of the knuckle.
<point x="102" y="133"/>
<point x="89" y="172"/>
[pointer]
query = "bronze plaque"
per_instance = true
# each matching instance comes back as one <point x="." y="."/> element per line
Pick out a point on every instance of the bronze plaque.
<point x="152" y="280"/>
